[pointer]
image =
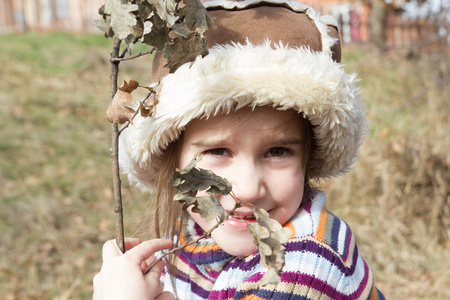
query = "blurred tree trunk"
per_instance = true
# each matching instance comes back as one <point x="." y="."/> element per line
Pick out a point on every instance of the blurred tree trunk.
<point x="378" y="16"/>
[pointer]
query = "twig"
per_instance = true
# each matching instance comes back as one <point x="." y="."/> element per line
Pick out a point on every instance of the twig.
<point x="141" y="106"/>
<point x="119" y="59"/>
<point x="115" y="153"/>
<point x="128" y="122"/>
<point x="206" y="234"/>
<point x="124" y="52"/>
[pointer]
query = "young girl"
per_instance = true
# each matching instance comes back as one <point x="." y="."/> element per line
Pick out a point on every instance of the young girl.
<point x="270" y="108"/>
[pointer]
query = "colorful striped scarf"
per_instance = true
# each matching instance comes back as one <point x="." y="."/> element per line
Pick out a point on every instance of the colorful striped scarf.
<point x="322" y="262"/>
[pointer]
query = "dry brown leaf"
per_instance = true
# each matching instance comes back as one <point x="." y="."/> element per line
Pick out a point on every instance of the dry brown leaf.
<point x="122" y="20"/>
<point x="269" y="236"/>
<point x="118" y="111"/>
<point x="190" y="180"/>
<point x="183" y="50"/>
<point x="194" y="12"/>
<point x="128" y="87"/>
<point x="148" y="107"/>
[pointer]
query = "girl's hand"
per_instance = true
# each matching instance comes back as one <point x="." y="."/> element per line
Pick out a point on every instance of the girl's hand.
<point x="122" y="275"/>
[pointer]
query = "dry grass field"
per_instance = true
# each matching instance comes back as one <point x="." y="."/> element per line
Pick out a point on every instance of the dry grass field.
<point x="56" y="207"/>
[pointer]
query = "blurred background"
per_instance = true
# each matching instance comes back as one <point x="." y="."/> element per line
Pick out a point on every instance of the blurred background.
<point x="56" y="206"/>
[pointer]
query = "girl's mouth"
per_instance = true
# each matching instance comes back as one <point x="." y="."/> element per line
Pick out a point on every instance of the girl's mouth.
<point x="243" y="218"/>
<point x="240" y="221"/>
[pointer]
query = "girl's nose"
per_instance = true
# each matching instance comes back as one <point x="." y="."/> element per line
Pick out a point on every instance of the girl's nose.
<point x="248" y="183"/>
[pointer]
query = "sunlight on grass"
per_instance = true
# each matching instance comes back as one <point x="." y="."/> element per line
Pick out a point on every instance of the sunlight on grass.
<point x="55" y="169"/>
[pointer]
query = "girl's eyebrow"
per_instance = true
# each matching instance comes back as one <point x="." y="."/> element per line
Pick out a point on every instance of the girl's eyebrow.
<point x="212" y="143"/>
<point x="224" y="142"/>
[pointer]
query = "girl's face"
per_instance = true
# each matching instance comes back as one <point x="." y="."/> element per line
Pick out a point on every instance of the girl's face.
<point x="260" y="153"/>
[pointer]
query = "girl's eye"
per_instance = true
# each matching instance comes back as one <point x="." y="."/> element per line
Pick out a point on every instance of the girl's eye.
<point x="217" y="152"/>
<point x="278" y="152"/>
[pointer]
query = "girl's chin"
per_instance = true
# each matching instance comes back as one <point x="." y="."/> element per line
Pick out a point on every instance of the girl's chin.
<point x="234" y="242"/>
<point x="241" y="250"/>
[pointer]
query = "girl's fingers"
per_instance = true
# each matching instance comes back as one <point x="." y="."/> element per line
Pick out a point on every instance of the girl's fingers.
<point x="155" y="272"/>
<point x="155" y="275"/>
<point x="131" y="243"/>
<point x="111" y="250"/>
<point x="165" y="296"/>
<point x="146" y="249"/>
<point x="161" y="287"/>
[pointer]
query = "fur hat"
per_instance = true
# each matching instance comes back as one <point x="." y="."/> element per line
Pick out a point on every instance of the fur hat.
<point x="261" y="53"/>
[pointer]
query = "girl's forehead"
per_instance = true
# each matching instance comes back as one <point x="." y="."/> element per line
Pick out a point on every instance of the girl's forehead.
<point x="246" y="119"/>
<point x="248" y="115"/>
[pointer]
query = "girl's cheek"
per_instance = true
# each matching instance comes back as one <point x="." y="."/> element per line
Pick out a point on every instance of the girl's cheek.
<point x="214" y="165"/>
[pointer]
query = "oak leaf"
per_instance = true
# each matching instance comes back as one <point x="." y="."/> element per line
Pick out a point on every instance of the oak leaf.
<point x="119" y="111"/>
<point x="181" y="29"/>
<point x="166" y="9"/>
<point x="182" y="50"/>
<point x="208" y="207"/>
<point x="122" y="21"/>
<point x="128" y="87"/>
<point x="145" y="9"/>
<point x="269" y="236"/>
<point x="190" y="180"/>
<point x="195" y="13"/>
<point x="147" y="28"/>
<point x="155" y="32"/>
<point x="104" y="24"/>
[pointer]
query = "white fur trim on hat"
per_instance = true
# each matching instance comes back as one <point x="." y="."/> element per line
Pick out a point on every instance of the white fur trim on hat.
<point x="234" y="76"/>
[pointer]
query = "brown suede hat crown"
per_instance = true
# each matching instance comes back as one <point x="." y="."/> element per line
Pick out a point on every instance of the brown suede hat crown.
<point x="257" y="22"/>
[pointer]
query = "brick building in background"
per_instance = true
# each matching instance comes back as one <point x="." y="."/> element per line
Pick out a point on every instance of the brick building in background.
<point x="48" y="15"/>
<point x="354" y="19"/>
<point x="77" y="16"/>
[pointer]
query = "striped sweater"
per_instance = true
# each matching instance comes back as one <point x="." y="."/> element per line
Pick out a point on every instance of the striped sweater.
<point x="322" y="262"/>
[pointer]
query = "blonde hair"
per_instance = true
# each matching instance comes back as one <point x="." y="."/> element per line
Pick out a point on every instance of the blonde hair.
<point x="166" y="211"/>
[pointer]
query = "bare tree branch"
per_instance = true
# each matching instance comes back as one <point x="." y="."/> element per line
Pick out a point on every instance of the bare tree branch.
<point x="119" y="59"/>
<point x="205" y="235"/>
<point x="118" y="209"/>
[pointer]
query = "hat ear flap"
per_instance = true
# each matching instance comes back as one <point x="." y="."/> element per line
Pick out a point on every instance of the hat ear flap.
<point x="336" y="48"/>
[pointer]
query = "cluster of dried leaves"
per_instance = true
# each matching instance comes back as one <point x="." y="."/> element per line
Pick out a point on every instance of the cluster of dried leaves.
<point x="123" y="109"/>
<point x="173" y="27"/>
<point x="267" y="233"/>
<point x="190" y="180"/>
<point x="176" y="28"/>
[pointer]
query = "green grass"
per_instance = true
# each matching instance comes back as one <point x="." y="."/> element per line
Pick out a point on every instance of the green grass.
<point x="55" y="167"/>
<point x="55" y="182"/>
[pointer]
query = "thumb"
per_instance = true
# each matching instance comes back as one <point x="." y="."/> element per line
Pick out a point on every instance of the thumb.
<point x="146" y="249"/>
<point x="144" y="266"/>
